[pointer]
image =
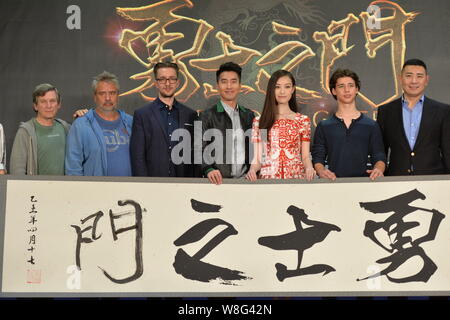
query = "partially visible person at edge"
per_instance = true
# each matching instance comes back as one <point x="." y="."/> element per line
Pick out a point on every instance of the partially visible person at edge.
<point x="2" y="151"/>
<point x="98" y="143"/>
<point x="283" y="152"/>
<point x="345" y="141"/>
<point x="233" y="160"/>
<point x="40" y="143"/>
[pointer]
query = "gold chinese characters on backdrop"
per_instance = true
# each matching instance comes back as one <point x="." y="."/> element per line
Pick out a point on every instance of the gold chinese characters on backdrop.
<point x="385" y="26"/>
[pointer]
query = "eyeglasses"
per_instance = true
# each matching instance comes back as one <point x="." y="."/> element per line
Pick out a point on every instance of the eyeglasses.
<point x="164" y="80"/>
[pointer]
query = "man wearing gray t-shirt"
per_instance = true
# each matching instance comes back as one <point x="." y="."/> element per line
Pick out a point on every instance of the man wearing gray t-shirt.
<point x="39" y="145"/>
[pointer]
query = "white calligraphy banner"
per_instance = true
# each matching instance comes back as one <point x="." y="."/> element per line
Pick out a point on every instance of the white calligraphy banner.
<point x="234" y="239"/>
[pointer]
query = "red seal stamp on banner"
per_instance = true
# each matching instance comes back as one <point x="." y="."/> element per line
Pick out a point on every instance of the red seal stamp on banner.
<point x="34" y="276"/>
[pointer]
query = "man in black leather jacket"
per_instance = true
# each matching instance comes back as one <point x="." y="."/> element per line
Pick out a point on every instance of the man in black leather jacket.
<point x="226" y="129"/>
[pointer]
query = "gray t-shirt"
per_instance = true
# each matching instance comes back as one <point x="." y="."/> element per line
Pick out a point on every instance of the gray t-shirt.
<point x="51" y="146"/>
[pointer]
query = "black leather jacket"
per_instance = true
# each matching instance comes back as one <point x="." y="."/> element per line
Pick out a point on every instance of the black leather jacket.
<point x="217" y="118"/>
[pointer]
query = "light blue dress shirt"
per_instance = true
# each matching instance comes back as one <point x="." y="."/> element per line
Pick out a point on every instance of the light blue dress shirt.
<point x="411" y="120"/>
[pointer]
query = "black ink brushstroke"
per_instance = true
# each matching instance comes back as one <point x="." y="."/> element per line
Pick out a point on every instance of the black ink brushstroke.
<point x="203" y="207"/>
<point x="138" y="242"/>
<point x="402" y="247"/>
<point x="397" y="259"/>
<point x="192" y="267"/>
<point x="300" y="240"/>
<point x="398" y="203"/>
<point x="81" y="239"/>
<point x="200" y="230"/>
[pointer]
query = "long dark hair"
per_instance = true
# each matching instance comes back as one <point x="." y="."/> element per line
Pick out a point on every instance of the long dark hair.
<point x="268" y="114"/>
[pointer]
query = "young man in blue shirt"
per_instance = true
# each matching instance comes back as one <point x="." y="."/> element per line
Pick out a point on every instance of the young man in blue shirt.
<point x="346" y="140"/>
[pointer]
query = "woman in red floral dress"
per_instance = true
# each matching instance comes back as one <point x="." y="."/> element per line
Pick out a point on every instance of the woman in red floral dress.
<point x="281" y="136"/>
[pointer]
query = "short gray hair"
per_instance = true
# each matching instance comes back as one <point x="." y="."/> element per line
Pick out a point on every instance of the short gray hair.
<point x="107" y="77"/>
<point x="42" y="89"/>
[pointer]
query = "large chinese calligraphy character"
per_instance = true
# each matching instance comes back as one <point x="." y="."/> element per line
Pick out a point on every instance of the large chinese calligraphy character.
<point x="331" y="51"/>
<point x="384" y="31"/>
<point x="169" y="33"/>
<point x="191" y="267"/>
<point x="136" y="212"/>
<point x="277" y="54"/>
<point x="402" y="247"/>
<point x="300" y="240"/>
<point x="156" y="38"/>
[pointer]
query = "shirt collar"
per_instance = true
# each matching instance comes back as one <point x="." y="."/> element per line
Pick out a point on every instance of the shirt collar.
<point x="229" y="108"/>
<point x="357" y="119"/>
<point x="161" y="105"/>
<point x="419" y="103"/>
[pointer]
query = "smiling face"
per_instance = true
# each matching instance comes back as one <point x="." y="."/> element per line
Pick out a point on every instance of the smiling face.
<point x="346" y="90"/>
<point x="47" y="106"/>
<point x="106" y="96"/>
<point x="284" y="89"/>
<point x="167" y="82"/>
<point x="414" y="80"/>
<point x="229" y="87"/>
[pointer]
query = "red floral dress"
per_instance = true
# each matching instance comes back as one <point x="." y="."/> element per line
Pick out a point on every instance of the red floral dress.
<point x="281" y="154"/>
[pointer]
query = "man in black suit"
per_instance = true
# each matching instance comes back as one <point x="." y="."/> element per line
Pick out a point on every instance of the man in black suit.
<point x="416" y="129"/>
<point x="154" y="147"/>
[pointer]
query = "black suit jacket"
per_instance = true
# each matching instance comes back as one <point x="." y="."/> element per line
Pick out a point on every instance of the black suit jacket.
<point x="431" y="153"/>
<point x="149" y="142"/>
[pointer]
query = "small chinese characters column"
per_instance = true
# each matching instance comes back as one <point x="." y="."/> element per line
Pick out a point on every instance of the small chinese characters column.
<point x="33" y="275"/>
